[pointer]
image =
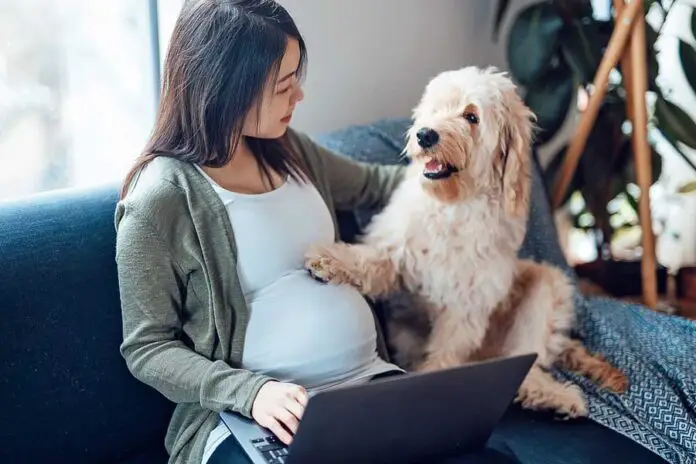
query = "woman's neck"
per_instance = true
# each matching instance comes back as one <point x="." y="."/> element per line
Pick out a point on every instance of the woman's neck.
<point x="242" y="160"/>
<point x="242" y="173"/>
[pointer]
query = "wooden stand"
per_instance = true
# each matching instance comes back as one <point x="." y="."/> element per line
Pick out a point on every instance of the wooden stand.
<point x="627" y="44"/>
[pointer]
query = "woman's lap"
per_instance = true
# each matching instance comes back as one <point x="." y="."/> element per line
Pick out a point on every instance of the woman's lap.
<point x="537" y="438"/>
<point x="523" y="437"/>
<point x="229" y="452"/>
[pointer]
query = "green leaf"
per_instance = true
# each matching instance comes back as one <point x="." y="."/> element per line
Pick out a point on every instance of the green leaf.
<point x="651" y="36"/>
<point x="582" y="47"/>
<point x="550" y="97"/>
<point x="629" y="173"/>
<point x="581" y="9"/>
<point x="552" y="170"/>
<point x="670" y="139"/>
<point x="647" y="4"/>
<point x="604" y="159"/>
<point x="653" y="65"/>
<point x="624" y="166"/>
<point x="693" y="23"/>
<point x="687" y="56"/>
<point x="656" y="159"/>
<point x="631" y="201"/>
<point x="533" y="41"/>
<point x="500" y="11"/>
<point x="674" y="122"/>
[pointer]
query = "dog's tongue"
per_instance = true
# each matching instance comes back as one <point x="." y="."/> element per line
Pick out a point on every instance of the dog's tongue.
<point x="433" y="165"/>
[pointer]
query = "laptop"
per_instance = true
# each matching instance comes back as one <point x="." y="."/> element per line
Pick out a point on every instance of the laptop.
<point x="406" y="418"/>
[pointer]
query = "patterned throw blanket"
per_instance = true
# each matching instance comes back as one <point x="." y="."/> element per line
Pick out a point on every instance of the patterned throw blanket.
<point x="657" y="351"/>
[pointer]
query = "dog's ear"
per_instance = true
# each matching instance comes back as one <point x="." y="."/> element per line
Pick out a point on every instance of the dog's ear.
<point x="515" y="156"/>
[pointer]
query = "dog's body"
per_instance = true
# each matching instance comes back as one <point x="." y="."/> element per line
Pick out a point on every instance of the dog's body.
<point x="450" y="237"/>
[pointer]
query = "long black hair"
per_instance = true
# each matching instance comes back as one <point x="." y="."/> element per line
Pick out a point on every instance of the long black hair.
<point x="219" y="60"/>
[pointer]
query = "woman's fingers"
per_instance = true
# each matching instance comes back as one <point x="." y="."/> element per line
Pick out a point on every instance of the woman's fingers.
<point x="292" y="410"/>
<point x="289" y="419"/>
<point x="279" y="431"/>
<point x="295" y="407"/>
<point x="302" y="397"/>
<point x="279" y="407"/>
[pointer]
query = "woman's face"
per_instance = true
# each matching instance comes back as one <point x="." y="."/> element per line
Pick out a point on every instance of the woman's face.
<point x="279" y="99"/>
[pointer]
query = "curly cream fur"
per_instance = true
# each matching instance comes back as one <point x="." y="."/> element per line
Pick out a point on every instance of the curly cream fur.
<point x="452" y="245"/>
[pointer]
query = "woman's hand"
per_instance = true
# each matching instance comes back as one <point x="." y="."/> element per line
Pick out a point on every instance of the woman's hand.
<point x="279" y="406"/>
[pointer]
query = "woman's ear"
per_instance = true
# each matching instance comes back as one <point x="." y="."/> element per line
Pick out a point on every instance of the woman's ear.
<point x="515" y="152"/>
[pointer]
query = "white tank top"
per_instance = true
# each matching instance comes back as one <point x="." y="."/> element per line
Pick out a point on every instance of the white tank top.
<point x="300" y="330"/>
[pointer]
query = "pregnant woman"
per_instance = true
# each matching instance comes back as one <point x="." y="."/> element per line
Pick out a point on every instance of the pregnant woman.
<point x="212" y="227"/>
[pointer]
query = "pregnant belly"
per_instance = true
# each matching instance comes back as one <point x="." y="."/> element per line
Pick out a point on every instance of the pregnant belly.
<point x="310" y="333"/>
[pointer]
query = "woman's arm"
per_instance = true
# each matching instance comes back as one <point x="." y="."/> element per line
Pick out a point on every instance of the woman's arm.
<point x="356" y="185"/>
<point x="151" y="299"/>
<point x="353" y="184"/>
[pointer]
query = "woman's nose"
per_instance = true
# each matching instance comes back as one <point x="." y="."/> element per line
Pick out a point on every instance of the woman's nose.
<point x="299" y="95"/>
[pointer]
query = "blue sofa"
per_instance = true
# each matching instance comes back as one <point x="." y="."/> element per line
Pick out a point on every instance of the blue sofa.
<point x="66" y="393"/>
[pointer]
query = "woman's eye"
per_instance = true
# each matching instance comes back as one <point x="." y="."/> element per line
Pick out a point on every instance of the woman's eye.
<point x="471" y="118"/>
<point x="280" y="92"/>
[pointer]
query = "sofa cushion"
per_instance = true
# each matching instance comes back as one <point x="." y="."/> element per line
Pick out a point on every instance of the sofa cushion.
<point x="67" y="394"/>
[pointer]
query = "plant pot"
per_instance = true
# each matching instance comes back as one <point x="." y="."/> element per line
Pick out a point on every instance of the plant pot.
<point x="686" y="283"/>
<point x="620" y="278"/>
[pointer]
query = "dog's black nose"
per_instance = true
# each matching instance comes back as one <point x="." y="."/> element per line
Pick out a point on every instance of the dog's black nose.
<point x="427" y="137"/>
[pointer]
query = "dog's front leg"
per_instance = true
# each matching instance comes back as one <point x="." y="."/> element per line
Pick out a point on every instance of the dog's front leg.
<point x="369" y="269"/>
<point x="454" y="339"/>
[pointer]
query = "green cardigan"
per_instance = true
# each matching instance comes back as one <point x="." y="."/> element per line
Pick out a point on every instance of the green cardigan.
<point x="184" y="313"/>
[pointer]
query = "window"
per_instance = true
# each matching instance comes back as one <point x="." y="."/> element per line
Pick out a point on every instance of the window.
<point x="78" y="90"/>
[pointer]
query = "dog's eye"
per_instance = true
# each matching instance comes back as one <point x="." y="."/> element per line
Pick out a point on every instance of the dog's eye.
<point x="471" y="118"/>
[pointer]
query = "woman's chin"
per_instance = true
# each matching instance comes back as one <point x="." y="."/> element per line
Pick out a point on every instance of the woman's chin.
<point x="282" y="130"/>
<point x="275" y="133"/>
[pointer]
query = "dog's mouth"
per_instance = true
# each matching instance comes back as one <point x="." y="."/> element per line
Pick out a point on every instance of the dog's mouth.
<point x="437" y="170"/>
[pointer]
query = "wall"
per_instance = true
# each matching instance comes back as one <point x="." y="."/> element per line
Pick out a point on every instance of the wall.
<point x="372" y="58"/>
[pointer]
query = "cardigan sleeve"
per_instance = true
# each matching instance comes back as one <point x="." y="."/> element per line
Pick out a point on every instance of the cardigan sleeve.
<point x="151" y="288"/>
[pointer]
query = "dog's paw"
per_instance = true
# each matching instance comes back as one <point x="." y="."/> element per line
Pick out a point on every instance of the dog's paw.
<point x="615" y="381"/>
<point x="323" y="264"/>
<point x="566" y="401"/>
<point x="570" y="403"/>
<point x="438" y="361"/>
<point x="428" y="365"/>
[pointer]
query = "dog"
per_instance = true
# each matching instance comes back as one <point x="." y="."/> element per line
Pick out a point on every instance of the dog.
<point x="448" y="243"/>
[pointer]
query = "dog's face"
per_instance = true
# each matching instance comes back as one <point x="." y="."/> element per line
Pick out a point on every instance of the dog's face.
<point x="471" y="136"/>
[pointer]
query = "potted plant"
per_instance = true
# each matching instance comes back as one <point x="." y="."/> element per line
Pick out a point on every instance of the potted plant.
<point x="554" y="48"/>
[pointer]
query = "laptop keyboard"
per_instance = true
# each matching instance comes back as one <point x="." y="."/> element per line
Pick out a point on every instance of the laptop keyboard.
<point x="272" y="449"/>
